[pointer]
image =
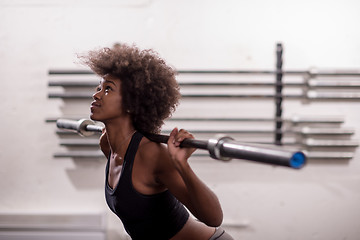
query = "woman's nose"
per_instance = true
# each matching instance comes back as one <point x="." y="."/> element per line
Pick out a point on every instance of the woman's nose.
<point x="96" y="95"/>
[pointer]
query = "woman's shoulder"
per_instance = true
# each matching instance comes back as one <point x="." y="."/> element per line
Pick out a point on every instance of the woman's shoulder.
<point x="153" y="153"/>
<point x="152" y="150"/>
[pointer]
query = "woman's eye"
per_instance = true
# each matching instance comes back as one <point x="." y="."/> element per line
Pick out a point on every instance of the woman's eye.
<point x="106" y="88"/>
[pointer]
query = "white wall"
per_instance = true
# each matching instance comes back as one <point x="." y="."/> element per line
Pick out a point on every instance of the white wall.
<point x="319" y="202"/>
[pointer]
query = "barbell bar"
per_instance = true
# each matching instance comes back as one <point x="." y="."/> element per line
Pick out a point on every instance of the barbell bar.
<point x="222" y="148"/>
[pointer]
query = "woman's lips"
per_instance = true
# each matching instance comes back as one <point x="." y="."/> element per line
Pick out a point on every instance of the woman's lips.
<point x="95" y="105"/>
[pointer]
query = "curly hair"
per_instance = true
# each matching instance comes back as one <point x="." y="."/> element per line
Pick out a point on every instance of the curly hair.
<point x="150" y="92"/>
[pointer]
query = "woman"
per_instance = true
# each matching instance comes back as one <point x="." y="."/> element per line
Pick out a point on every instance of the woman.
<point x="147" y="183"/>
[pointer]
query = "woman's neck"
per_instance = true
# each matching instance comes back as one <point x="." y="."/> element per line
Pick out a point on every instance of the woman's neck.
<point x="119" y="133"/>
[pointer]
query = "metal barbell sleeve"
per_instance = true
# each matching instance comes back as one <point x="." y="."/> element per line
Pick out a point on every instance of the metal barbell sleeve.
<point x="84" y="127"/>
<point x="222" y="148"/>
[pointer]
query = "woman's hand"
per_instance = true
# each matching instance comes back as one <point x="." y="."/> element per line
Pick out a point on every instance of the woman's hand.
<point x="179" y="155"/>
<point x="104" y="144"/>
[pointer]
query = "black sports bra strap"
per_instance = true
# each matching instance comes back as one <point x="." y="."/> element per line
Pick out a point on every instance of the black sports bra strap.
<point x="133" y="147"/>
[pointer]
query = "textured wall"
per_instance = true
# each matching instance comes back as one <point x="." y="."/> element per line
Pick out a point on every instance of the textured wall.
<point x="259" y="201"/>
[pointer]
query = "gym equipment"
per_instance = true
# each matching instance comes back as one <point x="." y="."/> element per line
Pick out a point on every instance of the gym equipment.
<point x="223" y="148"/>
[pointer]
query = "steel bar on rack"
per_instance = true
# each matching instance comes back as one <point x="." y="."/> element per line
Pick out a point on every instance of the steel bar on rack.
<point x="85" y="95"/>
<point x="312" y="143"/>
<point x="333" y="95"/>
<point x="311" y="72"/>
<point x="315" y="83"/>
<point x="224" y="148"/>
<point x="311" y="83"/>
<point x="292" y="120"/>
<point x="303" y="131"/>
<point x="78" y="84"/>
<point x="311" y="95"/>
<point x="331" y="155"/>
<point x="310" y="155"/>
<point x="307" y="143"/>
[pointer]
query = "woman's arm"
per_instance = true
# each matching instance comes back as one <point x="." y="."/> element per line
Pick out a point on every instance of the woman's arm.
<point x="181" y="180"/>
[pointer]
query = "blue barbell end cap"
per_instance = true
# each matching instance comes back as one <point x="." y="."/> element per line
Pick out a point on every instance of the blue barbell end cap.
<point x="298" y="160"/>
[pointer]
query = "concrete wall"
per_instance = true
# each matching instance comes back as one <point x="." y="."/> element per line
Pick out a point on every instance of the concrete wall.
<point x="260" y="202"/>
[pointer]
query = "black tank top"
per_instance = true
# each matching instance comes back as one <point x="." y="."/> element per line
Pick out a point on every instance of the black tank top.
<point x="159" y="216"/>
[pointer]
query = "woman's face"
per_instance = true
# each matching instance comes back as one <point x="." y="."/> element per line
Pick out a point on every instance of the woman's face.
<point x="107" y="104"/>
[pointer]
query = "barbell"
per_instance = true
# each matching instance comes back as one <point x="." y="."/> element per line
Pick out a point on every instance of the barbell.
<point x="221" y="148"/>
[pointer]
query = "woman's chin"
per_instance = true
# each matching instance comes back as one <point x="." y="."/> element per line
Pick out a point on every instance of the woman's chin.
<point x="93" y="117"/>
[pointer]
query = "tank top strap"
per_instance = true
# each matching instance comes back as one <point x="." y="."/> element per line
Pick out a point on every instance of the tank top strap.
<point x="132" y="149"/>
